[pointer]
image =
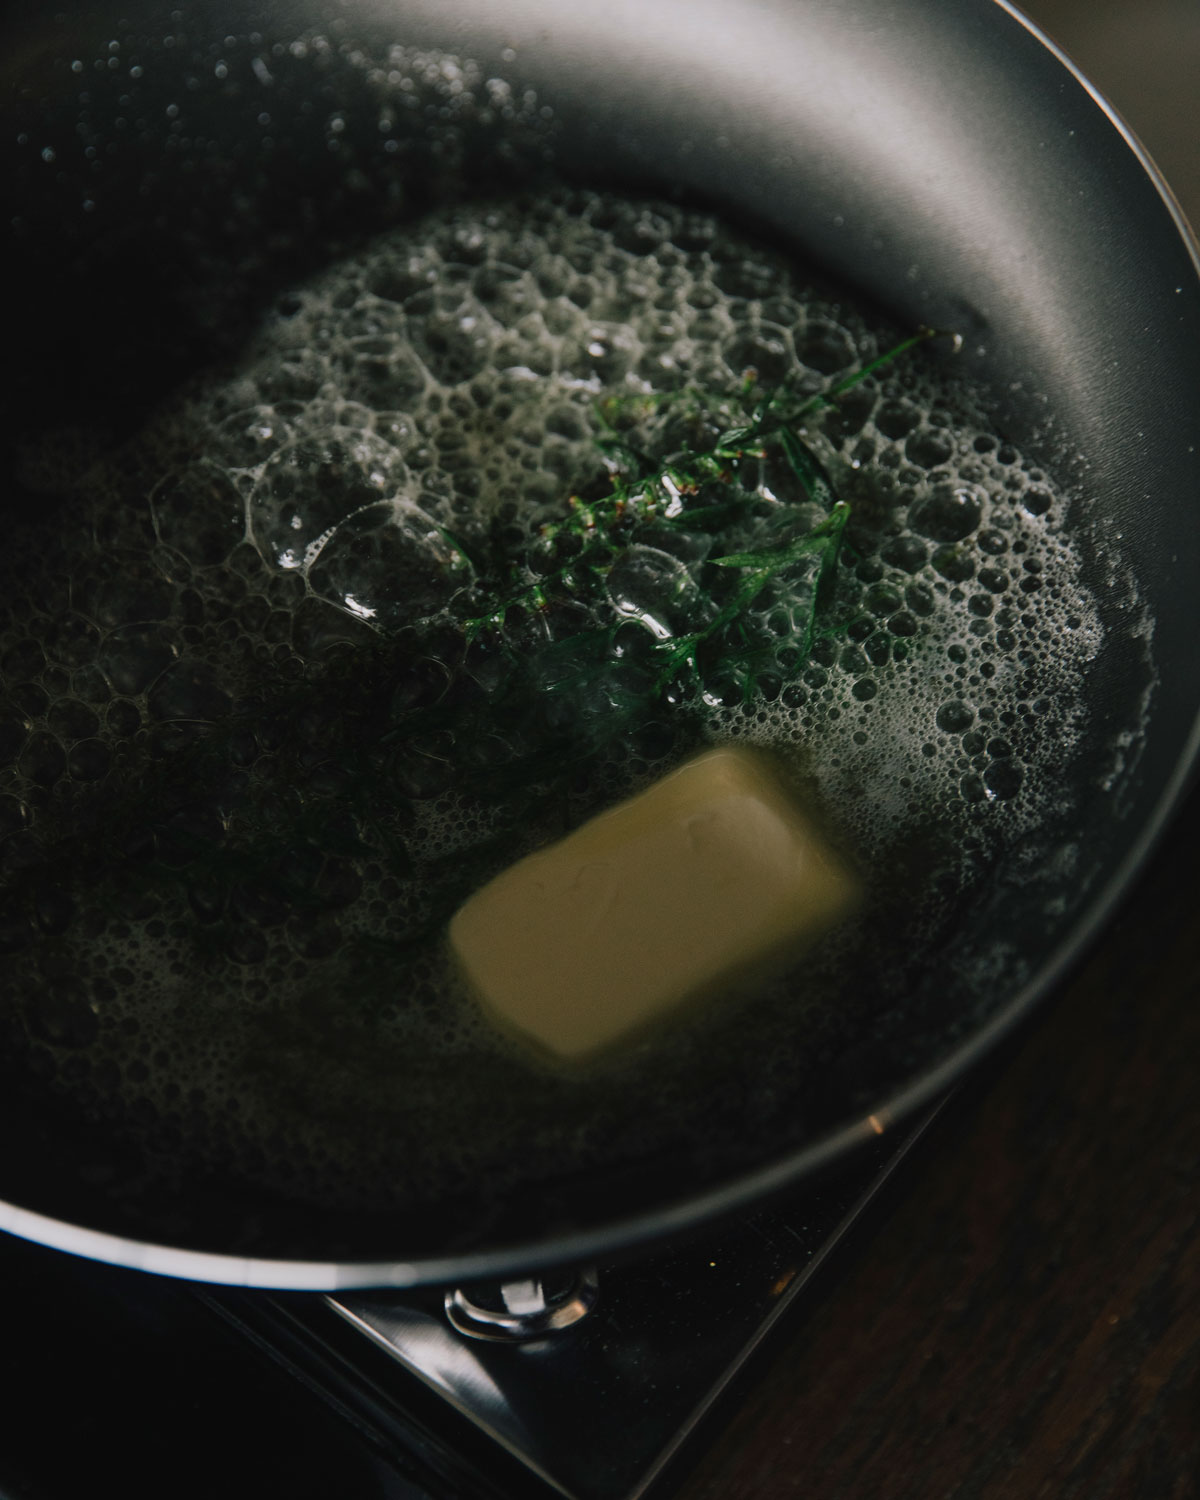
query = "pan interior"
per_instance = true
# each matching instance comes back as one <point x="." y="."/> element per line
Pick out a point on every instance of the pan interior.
<point x="286" y="1105"/>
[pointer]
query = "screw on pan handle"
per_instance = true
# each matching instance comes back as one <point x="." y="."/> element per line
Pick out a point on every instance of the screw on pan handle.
<point x="514" y="1312"/>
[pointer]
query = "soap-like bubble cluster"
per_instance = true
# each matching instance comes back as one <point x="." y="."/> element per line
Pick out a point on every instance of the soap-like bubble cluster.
<point x="325" y="497"/>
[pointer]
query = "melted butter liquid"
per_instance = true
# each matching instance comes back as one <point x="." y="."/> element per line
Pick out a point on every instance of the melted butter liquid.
<point x="446" y="378"/>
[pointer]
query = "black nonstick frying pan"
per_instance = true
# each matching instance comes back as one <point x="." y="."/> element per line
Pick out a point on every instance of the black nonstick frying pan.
<point x="937" y="158"/>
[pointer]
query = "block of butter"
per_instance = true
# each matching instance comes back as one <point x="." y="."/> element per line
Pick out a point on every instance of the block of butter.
<point x="709" y="875"/>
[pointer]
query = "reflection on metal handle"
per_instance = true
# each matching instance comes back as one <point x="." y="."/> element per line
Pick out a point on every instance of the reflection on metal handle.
<point x="513" y="1312"/>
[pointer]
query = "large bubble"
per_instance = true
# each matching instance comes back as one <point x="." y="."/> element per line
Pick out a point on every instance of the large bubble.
<point x="310" y="486"/>
<point x="391" y="565"/>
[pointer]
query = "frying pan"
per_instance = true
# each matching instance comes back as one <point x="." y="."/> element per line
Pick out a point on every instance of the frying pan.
<point x="937" y="157"/>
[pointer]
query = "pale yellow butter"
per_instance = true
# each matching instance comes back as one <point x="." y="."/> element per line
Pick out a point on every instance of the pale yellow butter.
<point x="708" y="874"/>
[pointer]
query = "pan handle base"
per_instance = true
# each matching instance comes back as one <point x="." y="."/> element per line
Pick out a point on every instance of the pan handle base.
<point x="516" y="1312"/>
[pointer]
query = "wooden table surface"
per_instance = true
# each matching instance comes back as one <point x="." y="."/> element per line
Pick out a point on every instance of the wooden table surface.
<point x="1027" y="1321"/>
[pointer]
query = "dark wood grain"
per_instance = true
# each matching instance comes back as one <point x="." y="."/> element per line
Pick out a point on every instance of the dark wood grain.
<point x="1027" y="1323"/>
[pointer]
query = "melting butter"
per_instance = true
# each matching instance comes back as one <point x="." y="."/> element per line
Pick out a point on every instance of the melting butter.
<point x="711" y="874"/>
